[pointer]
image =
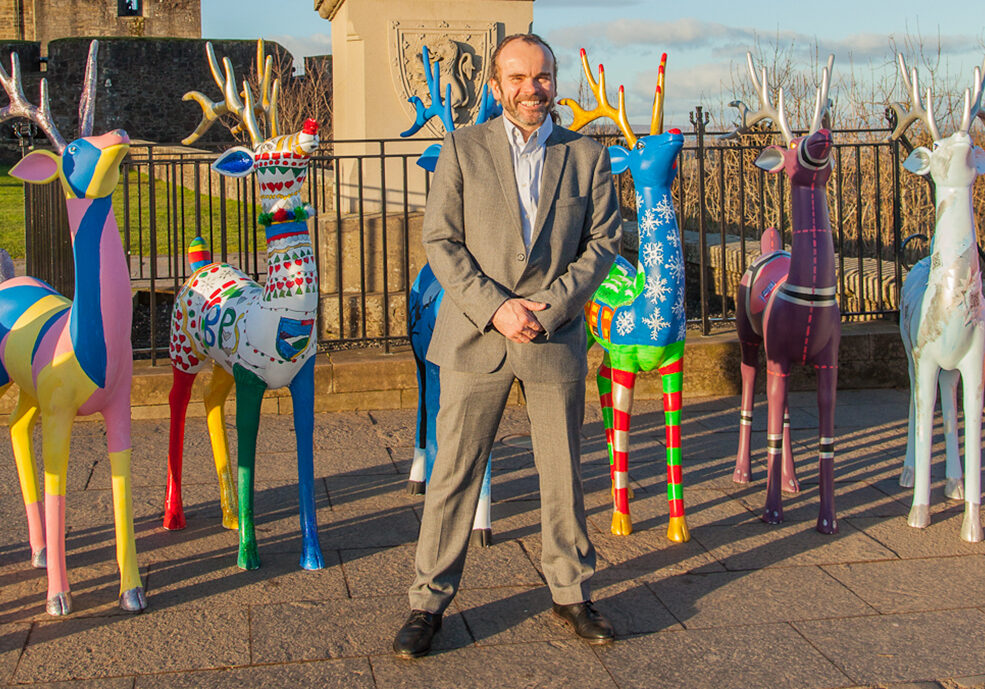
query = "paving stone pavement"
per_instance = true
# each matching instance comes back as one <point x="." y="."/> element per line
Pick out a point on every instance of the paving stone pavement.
<point x="743" y="604"/>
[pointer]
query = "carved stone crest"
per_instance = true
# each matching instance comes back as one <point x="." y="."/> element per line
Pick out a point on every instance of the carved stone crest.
<point x="462" y="49"/>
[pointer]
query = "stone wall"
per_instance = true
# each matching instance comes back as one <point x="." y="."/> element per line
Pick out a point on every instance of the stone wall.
<point x="140" y="83"/>
<point x="46" y="20"/>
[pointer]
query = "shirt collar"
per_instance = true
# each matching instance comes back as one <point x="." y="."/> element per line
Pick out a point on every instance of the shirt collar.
<point x="538" y="139"/>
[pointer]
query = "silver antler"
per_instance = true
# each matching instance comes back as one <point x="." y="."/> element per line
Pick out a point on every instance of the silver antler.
<point x="821" y="102"/>
<point x="20" y="107"/>
<point x="766" y="108"/>
<point x="973" y="100"/>
<point x="916" y="112"/>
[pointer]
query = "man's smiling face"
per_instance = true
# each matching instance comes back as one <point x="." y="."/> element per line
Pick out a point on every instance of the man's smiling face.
<point x="524" y="83"/>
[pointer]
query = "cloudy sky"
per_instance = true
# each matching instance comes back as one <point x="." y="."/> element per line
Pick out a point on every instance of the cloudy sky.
<point x="706" y="43"/>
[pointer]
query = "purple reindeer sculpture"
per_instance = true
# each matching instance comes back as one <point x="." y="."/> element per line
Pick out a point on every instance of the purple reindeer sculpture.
<point x="787" y="303"/>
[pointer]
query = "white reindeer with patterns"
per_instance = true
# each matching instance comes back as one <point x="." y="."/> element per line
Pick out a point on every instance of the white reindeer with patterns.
<point x="942" y="318"/>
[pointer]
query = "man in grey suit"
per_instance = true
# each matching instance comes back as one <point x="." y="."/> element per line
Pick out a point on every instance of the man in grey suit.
<point x="521" y="226"/>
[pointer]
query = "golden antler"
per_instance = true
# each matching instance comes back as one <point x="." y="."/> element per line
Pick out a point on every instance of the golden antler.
<point x="904" y="118"/>
<point x="604" y="108"/>
<point x="247" y="110"/>
<point x="657" y="118"/>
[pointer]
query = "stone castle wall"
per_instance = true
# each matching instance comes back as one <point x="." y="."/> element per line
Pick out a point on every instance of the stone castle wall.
<point x="46" y="20"/>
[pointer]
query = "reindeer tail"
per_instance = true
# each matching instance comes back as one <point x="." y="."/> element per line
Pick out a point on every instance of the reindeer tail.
<point x="198" y="253"/>
<point x="770" y="241"/>
<point x="6" y="266"/>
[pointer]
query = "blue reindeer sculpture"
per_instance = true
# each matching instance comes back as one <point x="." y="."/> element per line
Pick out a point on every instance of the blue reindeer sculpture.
<point x="425" y="300"/>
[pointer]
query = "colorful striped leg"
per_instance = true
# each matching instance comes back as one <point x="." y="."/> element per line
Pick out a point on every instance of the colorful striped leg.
<point x="749" y="366"/>
<point x="22" y="422"/>
<point x="672" y="376"/>
<point x="249" y="395"/>
<point x="181" y="392"/>
<point x="216" y="393"/>
<point x="827" y="382"/>
<point x="623" y="384"/>
<point x="56" y="429"/>
<point x="603" y="378"/>
<point x="789" y="482"/>
<point x="117" y="417"/>
<point x="303" y="398"/>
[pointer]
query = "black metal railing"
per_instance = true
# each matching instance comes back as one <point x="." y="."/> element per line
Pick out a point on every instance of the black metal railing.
<point x="370" y="196"/>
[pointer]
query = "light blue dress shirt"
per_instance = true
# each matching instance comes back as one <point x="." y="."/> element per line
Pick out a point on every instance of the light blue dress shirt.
<point x="528" y="166"/>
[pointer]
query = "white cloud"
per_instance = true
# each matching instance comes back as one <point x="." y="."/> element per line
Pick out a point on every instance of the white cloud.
<point x="302" y="46"/>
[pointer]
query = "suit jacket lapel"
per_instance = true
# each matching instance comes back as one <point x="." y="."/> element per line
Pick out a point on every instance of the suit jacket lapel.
<point x="499" y="151"/>
<point x="555" y="155"/>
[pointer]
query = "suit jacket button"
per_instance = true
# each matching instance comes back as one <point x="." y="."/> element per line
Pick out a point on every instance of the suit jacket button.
<point x="520" y="257"/>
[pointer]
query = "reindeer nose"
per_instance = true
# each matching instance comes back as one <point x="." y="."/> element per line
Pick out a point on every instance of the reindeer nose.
<point x="818" y="146"/>
<point x="675" y="130"/>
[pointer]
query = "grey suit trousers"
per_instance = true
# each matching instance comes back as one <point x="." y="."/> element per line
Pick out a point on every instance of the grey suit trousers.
<point x="471" y="407"/>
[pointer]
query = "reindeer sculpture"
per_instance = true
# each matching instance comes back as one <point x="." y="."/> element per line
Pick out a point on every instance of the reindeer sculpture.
<point x="258" y="336"/>
<point x="637" y="314"/>
<point x="786" y="302"/>
<point x="71" y="357"/>
<point x="425" y="300"/>
<point x="942" y="317"/>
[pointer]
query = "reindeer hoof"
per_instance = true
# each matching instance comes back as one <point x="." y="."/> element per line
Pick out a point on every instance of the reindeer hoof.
<point x="133" y="600"/>
<point x="827" y="526"/>
<point x="971" y="527"/>
<point x="311" y="558"/>
<point x="773" y="516"/>
<point x="60" y="604"/>
<point x="39" y="560"/>
<point x="919" y="516"/>
<point x="622" y="525"/>
<point x="906" y="477"/>
<point x="174" y="521"/>
<point x="790" y="485"/>
<point x="740" y="476"/>
<point x="231" y="522"/>
<point x="954" y="489"/>
<point x="416" y="487"/>
<point x="248" y="557"/>
<point x="677" y="530"/>
<point x="482" y="537"/>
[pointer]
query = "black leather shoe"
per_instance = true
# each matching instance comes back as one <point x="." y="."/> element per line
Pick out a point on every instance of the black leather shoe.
<point x="588" y="622"/>
<point x="414" y="638"/>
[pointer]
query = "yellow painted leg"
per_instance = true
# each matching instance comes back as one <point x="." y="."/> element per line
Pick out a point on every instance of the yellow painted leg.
<point x="677" y="530"/>
<point x="22" y="421"/>
<point x="215" y="398"/>
<point x="622" y="525"/>
<point x="131" y="589"/>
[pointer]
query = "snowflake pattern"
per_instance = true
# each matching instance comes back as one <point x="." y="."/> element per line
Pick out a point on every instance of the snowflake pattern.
<point x="648" y="222"/>
<point x="678" y="308"/>
<point x="656" y="323"/>
<point x="657" y="288"/>
<point x="665" y="209"/>
<point x="653" y="254"/>
<point x="675" y="268"/>
<point x="674" y="239"/>
<point x="624" y="323"/>
<point x="639" y="200"/>
<point x="681" y="330"/>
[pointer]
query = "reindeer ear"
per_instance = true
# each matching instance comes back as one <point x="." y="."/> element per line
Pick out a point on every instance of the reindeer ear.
<point x="429" y="159"/>
<point x="771" y="159"/>
<point x="236" y="162"/>
<point x="918" y="162"/>
<point x="37" y="167"/>
<point x="619" y="158"/>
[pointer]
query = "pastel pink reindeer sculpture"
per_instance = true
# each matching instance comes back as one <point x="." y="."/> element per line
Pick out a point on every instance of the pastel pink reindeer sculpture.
<point x="787" y="303"/>
<point x="71" y="357"/>
<point x="942" y="317"/>
<point x="258" y="336"/>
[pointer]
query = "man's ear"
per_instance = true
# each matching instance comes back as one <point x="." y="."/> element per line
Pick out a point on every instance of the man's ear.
<point x="236" y="162"/>
<point x="771" y="159"/>
<point x="494" y="87"/>
<point x="918" y="162"/>
<point x="37" y="167"/>
<point x="619" y="159"/>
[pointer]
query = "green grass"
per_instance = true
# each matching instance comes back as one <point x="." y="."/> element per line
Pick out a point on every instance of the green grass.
<point x="11" y="213"/>
<point x="12" y="217"/>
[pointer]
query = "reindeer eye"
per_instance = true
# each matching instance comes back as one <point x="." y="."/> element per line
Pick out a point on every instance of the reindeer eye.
<point x="640" y="145"/>
<point x="73" y="149"/>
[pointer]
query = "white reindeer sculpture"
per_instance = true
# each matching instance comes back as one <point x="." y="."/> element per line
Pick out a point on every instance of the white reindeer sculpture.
<point x="259" y="336"/>
<point x="942" y="319"/>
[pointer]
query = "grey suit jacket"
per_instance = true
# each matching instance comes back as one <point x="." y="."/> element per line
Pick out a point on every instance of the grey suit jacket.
<point x="474" y="243"/>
